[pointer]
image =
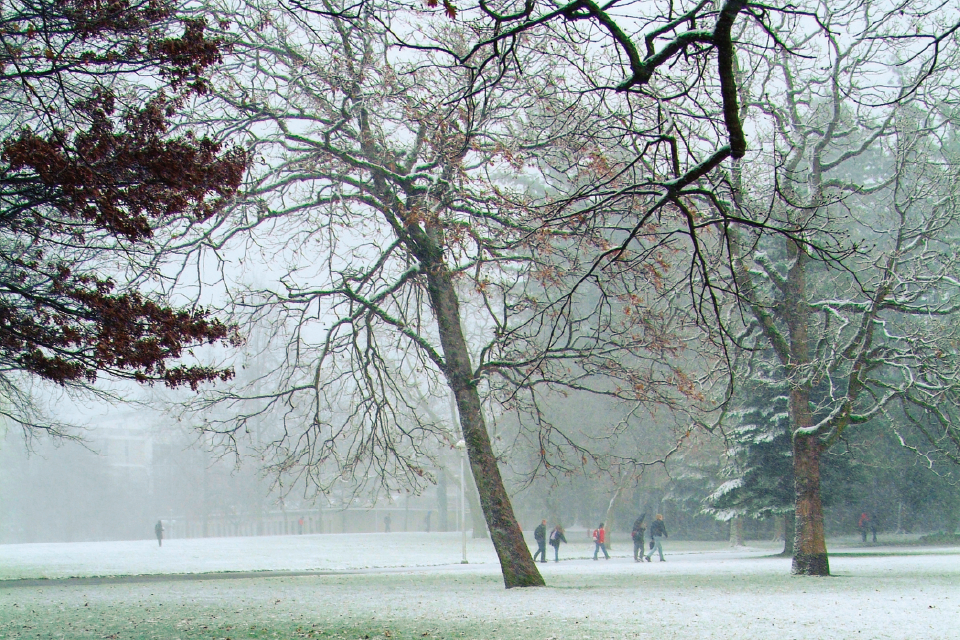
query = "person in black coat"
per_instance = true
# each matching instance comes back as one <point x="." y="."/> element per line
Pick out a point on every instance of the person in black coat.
<point x="540" y="535"/>
<point x="158" y="530"/>
<point x="556" y="537"/>
<point x="658" y="531"/>
<point x="637" y="534"/>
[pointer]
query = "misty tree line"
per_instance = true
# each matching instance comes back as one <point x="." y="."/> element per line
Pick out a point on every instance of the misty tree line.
<point x="67" y="493"/>
<point x="708" y="241"/>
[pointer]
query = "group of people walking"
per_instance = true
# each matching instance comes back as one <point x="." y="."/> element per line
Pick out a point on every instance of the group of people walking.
<point x="658" y="531"/>
<point x="556" y="537"/>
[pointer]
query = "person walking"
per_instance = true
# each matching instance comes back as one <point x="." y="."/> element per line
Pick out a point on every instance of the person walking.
<point x="658" y="531"/>
<point x="386" y="523"/>
<point x="556" y="537"/>
<point x="863" y="524"/>
<point x="600" y="539"/>
<point x="158" y="529"/>
<point x="540" y="535"/>
<point x="637" y="534"/>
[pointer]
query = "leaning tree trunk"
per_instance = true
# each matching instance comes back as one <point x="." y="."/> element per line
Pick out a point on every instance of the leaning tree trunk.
<point x="516" y="563"/>
<point x="810" y="548"/>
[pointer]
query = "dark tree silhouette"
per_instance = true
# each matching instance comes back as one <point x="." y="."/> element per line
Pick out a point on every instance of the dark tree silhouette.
<point x="90" y="163"/>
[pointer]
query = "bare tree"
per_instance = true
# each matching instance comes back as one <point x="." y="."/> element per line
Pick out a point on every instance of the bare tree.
<point x="852" y="341"/>
<point x="392" y="226"/>
<point x="820" y="87"/>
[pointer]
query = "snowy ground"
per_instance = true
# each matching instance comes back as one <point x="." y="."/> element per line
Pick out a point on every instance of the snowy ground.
<point x="412" y="585"/>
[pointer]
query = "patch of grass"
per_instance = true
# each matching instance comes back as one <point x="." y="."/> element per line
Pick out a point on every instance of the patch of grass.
<point x="941" y="538"/>
<point x="704" y="598"/>
<point x="355" y="607"/>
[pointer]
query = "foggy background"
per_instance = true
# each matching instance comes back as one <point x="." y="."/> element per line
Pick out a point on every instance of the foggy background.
<point x="137" y="467"/>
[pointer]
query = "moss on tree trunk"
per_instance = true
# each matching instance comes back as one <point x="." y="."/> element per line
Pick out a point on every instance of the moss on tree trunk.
<point x="810" y="549"/>
<point x="516" y="562"/>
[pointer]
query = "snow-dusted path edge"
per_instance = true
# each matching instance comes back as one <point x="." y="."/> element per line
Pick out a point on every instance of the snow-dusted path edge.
<point x="319" y="554"/>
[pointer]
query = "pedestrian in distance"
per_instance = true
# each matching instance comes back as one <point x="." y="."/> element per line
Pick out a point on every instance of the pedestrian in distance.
<point x="658" y="531"/>
<point x="637" y="534"/>
<point x="867" y="523"/>
<point x="863" y="524"/>
<point x="540" y="535"/>
<point x="556" y="537"/>
<point x="600" y="539"/>
<point x="158" y="529"/>
<point x="386" y="523"/>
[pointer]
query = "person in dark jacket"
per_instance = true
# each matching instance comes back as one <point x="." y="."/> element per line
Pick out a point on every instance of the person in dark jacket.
<point x="658" y="531"/>
<point x="556" y="537"/>
<point x="637" y="534"/>
<point x="540" y="535"/>
<point x="158" y="529"/>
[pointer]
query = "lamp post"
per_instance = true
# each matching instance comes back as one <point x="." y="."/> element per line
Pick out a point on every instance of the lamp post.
<point x="462" y="447"/>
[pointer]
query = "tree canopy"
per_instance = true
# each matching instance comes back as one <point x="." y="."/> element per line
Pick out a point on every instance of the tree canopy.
<point x="89" y="164"/>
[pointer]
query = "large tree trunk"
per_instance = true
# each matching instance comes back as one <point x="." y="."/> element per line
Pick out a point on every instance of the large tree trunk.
<point x="516" y="563"/>
<point x="789" y="533"/>
<point x="810" y="549"/>
<point x="609" y="523"/>
<point x="736" y="532"/>
<point x="442" y="507"/>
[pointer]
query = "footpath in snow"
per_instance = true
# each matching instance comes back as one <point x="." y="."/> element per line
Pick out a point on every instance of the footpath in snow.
<point x="355" y="552"/>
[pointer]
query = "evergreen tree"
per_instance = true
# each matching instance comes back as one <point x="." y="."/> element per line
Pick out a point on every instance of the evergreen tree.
<point x="759" y="469"/>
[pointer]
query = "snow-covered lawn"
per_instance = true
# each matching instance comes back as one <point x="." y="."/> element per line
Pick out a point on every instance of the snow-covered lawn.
<point x="412" y="585"/>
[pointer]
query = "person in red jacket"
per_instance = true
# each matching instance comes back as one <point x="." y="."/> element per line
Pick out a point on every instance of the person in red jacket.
<point x="600" y="539"/>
